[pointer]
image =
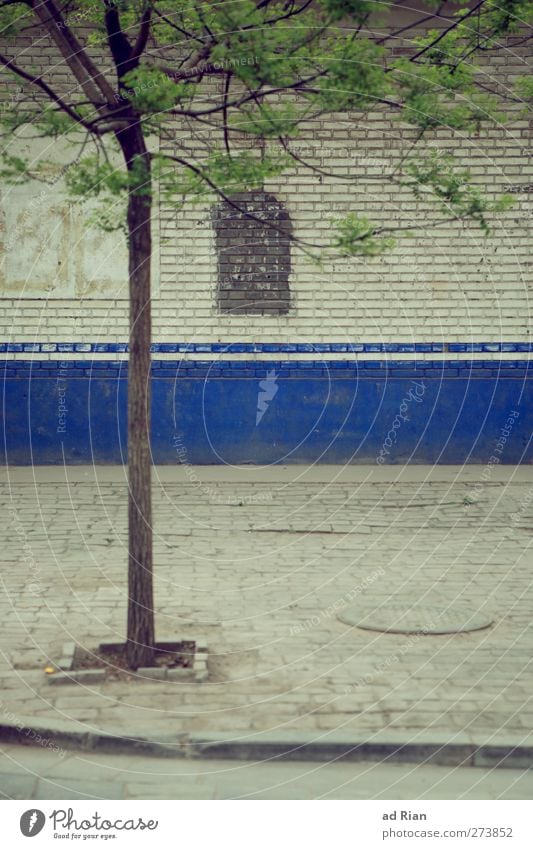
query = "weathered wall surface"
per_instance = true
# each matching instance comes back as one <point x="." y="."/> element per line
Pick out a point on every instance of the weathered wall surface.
<point x="448" y="283"/>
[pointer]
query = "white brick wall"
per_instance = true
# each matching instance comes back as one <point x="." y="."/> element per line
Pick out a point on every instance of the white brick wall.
<point x="445" y="284"/>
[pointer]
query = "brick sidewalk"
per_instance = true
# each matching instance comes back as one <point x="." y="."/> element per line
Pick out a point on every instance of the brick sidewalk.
<point x="260" y="563"/>
<point x="37" y="774"/>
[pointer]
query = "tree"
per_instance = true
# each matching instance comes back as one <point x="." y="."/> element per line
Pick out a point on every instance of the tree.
<point x="251" y="72"/>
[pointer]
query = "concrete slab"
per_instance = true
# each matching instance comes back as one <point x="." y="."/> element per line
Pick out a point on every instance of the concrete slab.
<point x="117" y="776"/>
<point x="322" y="473"/>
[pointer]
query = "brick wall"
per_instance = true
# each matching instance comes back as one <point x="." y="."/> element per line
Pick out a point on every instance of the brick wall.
<point x="235" y="307"/>
<point x="443" y="285"/>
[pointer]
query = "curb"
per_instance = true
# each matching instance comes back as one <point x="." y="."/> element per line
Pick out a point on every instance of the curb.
<point x="65" y="735"/>
<point x="65" y="673"/>
<point x="460" y="750"/>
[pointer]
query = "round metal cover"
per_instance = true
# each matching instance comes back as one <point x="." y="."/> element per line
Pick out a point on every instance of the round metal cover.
<point x="415" y="619"/>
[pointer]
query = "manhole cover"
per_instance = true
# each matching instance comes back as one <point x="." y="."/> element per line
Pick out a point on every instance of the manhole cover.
<point x="415" y="619"/>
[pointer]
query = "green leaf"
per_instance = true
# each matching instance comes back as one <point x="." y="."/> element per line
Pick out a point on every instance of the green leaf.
<point x="436" y="177"/>
<point x="14" y="170"/>
<point x="151" y="90"/>
<point x="356" y="236"/>
<point x="355" y="75"/>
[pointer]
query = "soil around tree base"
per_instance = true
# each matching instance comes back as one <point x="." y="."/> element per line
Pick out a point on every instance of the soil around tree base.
<point x="184" y="660"/>
<point x="111" y="657"/>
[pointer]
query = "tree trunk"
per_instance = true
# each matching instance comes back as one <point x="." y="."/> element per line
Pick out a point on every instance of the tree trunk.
<point x="140" y="626"/>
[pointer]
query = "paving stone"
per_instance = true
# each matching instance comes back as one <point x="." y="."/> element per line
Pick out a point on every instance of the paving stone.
<point x="165" y="789"/>
<point x="14" y="786"/>
<point x="264" y="583"/>
<point x="73" y="788"/>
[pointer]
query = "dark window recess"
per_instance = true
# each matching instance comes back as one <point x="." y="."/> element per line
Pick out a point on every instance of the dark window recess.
<point x="254" y="259"/>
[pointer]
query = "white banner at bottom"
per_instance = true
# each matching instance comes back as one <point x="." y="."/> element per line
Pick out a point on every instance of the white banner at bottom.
<point x="267" y="824"/>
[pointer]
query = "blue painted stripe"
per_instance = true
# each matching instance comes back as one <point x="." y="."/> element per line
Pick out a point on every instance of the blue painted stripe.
<point x="284" y="369"/>
<point x="270" y="347"/>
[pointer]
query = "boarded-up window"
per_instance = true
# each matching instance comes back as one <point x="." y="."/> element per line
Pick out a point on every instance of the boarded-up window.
<point x="254" y="259"/>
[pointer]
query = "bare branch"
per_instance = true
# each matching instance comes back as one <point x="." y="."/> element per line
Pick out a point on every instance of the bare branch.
<point x="329" y="174"/>
<point x="221" y="194"/>
<point x="92" y="81"/>
<point x="199" y="12"/>
<point x="119" y="45"/>
<point x="179" y="29"/>
<point x="448" y="30"/>
<point x="521" y="41"/>
<point x="252" y="95"/>
<point x="144" y="32"/>
<point x="227" y="83"/>
<point x="415" y="24"/>
<point x="291" y="13"/>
